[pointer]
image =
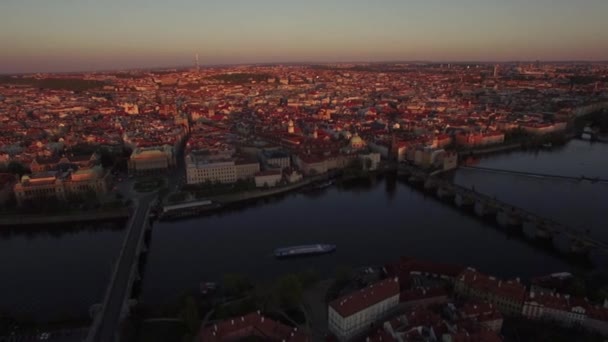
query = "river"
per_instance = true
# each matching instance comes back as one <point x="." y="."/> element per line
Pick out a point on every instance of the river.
<point x="370" y="222"/>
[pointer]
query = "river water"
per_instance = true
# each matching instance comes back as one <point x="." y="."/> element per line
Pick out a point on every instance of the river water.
<point x="54" y="276"/>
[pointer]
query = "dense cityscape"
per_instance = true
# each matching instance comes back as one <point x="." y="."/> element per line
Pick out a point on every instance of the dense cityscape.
<point x="303" y="171"/>
<point x="176" y="143"/>
<point x="275" y="124"/>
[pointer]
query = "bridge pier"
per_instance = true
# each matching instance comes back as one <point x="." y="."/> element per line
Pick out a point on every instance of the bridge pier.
<point x="430" y="184"/>
<point x="443" y="193"/>
<point x="414" y="179"/>
<point x="483" y="209"/>
<point x="462" y="201"/>
<point x="507" y="218"/>
<point x="579" y="247"/>
<point x="536" y="229"/>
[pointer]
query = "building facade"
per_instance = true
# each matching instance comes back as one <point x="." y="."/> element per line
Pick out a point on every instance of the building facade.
<point x="151" y="160"/>
<point x="203" y="168"/>
<point x="353" y="314"/>
<point x="270" y="178"/>
<point x="60" y="186"/>
<point x="506" y="296"/>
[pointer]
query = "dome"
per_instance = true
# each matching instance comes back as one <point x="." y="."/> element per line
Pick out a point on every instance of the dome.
<point x="356" y="141"/>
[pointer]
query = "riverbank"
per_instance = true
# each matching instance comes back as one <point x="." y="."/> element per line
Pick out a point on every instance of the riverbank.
<point x="251" y="195"/>
<point x="492" y="149"/>
<point x="97" y="215"/>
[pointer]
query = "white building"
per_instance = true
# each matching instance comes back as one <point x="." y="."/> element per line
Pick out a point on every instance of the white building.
<point x="352" y="315"/>
<point x="553" y="307"/>
<point x="204" y="168"/>
<point x="275" y="159"/>
<point x="270" y="178"/>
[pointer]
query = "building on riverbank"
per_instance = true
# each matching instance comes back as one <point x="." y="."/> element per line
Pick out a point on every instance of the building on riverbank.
<point x="61" y="185"/>
<point x="351" y="315"/>
<point x="275" y="159"/>
<point x="268" y="178"/>
<point x="7" y="182"/>
<point x="201" y="168"/>
<point x="507" y="296"/>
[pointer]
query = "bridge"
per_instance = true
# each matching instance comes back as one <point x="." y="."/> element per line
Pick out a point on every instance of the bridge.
<point x="116" y="302"/>
<point x="564" y="239"/>
<point x="536" y="175"/>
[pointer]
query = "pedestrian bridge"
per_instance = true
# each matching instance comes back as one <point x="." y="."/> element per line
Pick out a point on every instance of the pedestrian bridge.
<point x="582" y="178"/>
<point x="565" y="239"/>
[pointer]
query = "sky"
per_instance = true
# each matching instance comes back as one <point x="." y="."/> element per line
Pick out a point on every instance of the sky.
<point x="87" y="35"/>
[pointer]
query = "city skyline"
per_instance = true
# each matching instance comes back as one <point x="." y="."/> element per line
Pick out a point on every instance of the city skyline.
<point x="86" y="36"/>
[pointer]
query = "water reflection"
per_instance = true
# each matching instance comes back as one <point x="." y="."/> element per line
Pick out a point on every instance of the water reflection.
<point x="59" y="230"/>
<point x="371" y="221"/>
<point x="52" y="272"/>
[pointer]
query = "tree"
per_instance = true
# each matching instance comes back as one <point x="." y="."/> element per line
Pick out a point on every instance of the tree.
<point x="236" y="284"/>
<point x="189" y="315"/>
<point x="577" y="287"/>
<point x="289" y="290"/>
<point x="308" y="278"/>
<point x="17" y="168"/>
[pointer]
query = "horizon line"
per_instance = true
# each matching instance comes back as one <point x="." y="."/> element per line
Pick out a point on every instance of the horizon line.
<point x="309" y="63"/>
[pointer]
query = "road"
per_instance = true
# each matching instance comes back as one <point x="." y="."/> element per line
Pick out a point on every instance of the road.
<point x="110" y="321"/>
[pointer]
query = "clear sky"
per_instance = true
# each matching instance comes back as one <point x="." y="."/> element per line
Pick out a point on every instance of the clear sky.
<point x="72" y="35"/>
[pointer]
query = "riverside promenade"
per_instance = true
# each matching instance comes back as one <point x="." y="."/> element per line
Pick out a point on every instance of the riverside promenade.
<point x="255" y="194"/>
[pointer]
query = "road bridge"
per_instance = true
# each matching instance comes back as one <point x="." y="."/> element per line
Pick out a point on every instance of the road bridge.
<point x="116" y="302"/>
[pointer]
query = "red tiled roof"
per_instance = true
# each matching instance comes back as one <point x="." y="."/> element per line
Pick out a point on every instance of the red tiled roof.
<point x="251" y="325"/>
<point x="506" y="289"/>
<point x="364" y="298"/>
<point x="481" y="336"/>
<point x="405" y="266"/>
<point x="380" y="336"/>
<point x="420" y="293"/>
